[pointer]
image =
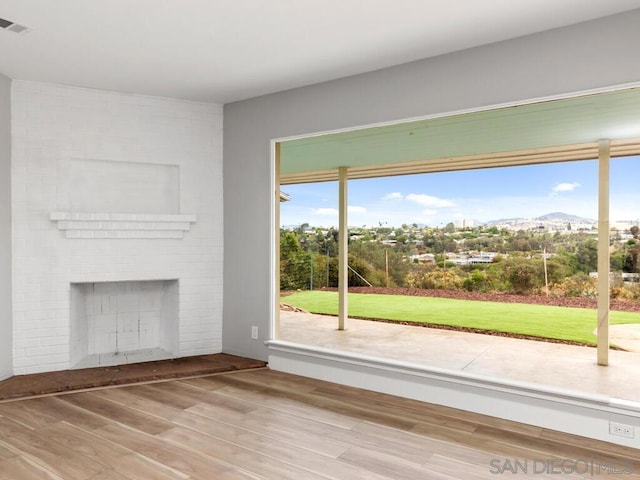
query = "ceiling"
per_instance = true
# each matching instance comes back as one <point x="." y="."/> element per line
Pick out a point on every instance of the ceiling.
<point x="564" y="129"/>
<point x="227" y="50"/>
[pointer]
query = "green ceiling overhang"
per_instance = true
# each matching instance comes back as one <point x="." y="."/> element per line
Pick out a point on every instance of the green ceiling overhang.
<point x="554" y="130"/>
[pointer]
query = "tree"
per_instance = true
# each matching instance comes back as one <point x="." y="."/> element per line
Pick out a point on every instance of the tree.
<point x="617" y="261"/>
<point x="635" y="230"/>
<point x="364" y="270"/>
<point x="558" y="268"/>
<point x="524" y="274"/>
<point x="587" y="255"/>
<point x="521" y="244"/>
<point x="632" y="260"/>
<point x="376" y="254"/>
<point x="294" y="263"/>
<point x="289" y="245"/>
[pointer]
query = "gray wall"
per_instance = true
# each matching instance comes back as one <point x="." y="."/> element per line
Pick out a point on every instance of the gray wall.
<point x="589" y="55"/>
<point x="6" y="343"/>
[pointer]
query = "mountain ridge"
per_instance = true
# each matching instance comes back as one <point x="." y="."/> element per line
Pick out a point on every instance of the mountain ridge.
<point x="547" y="217"/>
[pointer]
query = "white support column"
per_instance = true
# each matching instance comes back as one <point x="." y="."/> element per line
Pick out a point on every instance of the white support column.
<point x="604" y="151"/>
<point x="343" y="249"/>
<point x="276" y="239"/>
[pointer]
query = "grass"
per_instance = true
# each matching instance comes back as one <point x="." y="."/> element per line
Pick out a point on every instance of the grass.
<point x="560" y="323"/>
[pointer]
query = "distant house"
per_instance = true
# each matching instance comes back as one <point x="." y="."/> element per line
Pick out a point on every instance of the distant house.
<point x="423" y="258"/>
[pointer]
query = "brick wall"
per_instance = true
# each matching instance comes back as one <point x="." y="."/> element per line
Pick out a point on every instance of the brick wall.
<point x="6" y="336"/>
<point x="60" y="135"/>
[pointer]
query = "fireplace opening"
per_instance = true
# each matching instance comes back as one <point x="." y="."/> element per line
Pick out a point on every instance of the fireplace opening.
<point x="115" y="323"/>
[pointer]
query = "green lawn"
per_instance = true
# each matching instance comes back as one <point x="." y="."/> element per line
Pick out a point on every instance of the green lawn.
<point x="562" y="323"/>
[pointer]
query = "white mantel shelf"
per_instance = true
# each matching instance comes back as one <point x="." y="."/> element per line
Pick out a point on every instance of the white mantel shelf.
<point x="83" y="225"/>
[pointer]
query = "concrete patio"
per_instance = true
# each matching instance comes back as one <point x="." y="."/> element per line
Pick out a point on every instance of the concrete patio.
<point x="568" y="367"/>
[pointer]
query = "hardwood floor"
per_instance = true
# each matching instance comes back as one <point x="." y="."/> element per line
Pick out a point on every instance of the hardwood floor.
<point x="264" y="424"/>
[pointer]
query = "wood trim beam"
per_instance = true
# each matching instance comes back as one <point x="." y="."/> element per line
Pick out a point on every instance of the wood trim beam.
<point x="586" y="151"/>
<point x="276" y="240"/>
<point x="604" y="152"/>
<point x="343" y="249"/>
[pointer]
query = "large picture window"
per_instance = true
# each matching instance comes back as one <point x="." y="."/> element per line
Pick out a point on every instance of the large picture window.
<point x="488" y="224"/>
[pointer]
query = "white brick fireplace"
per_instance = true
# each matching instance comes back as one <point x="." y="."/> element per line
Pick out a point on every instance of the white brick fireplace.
<point x="123" y="322"/>
<point x="117" y="227"/>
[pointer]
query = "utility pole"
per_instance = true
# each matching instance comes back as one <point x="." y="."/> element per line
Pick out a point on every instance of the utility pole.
<point x="311" y="276"/>
<point x="546" y="277"/>
<point x="327" y="266"/>
<point x="386" y="266"/>
<point x="444" y="260"/>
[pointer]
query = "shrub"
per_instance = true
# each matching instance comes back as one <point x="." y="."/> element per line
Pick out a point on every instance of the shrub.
<point x="625" y="292"/>
<point x="476" y="281"/>
<point x="579" y="285"/>
<point x="436" y="279"/>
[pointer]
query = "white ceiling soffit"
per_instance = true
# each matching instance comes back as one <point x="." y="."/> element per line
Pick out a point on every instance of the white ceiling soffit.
<point x="226" y="50"/>
<point x="567" y="129"/>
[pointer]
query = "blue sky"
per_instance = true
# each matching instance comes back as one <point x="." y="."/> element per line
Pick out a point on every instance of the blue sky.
<point x="489" y="194"/>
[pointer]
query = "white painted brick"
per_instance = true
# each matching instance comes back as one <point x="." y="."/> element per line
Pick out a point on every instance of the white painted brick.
<point x="37" y="361"/>
<point x="53" y="125"/>
<point x="55" y="338"/>
<point x="51" y="350"/>
<point x="48" y="364"/>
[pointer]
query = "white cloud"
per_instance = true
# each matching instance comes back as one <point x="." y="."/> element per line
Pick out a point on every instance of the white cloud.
<point x="356" y="209"/>
<point x="429" y="213"/>
<point x="429" y="200"/>
<point x="565" y="187"/>
<point x="326" y="211"/>
<point x="393" y="196"/>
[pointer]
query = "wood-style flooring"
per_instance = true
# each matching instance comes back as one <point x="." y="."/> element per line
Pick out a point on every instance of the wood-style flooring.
<point x="259" y="424"/>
